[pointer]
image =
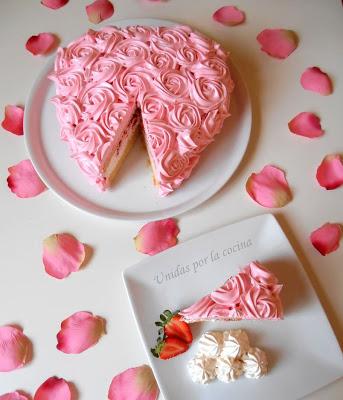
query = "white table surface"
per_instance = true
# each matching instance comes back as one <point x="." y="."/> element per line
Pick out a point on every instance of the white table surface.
<point x="37" y="302"/>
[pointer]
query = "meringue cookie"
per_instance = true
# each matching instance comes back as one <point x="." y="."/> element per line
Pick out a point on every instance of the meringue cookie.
<point x="228" y="369"/>
<point x="202" y="369"/>
<point x="210" y="343"/>
<point x="235" y="343"/>
<point x="254" y="363"/>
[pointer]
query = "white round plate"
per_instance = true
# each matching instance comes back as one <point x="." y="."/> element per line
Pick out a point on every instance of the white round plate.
<point x="133" y="196"/>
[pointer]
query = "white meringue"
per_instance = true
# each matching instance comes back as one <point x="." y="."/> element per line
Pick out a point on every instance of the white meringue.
<point x="228" y="369"/>
<point x="210" y="343"/>
<point x="254" y="363"/>
<point x="235" y="343"/>
<point x="202" y="368"/>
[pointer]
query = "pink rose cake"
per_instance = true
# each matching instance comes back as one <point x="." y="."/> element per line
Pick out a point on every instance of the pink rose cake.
<point x="173" y="83"/>
<point x="251" y="294"/>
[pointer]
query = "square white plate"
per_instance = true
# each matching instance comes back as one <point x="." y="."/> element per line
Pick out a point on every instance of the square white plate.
<point x="302" y="349"/>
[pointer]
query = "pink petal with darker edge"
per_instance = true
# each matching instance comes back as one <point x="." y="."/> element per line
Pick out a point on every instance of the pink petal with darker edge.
<point x="315" y="80"/>
<point x="99" y="10"/>
<point x="54" y="4"/>
<point x="14" y="396"/>
<point x="23" y="180"/>
<point x="330" y="172"/>
<point x="326" y="238"/>
<point x="157" y="236"/>
<point x="269" y="188"/>
<point x="306" y="124"/>
<point x="79" y="332"/>
<point x="229" y="15"/>
<point x="278" y="43"/>
<point x="62" y="255"/>
<point x="13" y="121"/>
<point x="53" y="389"/>
<point x="42" y="43"/>
<point x="134" y="384"/>
<point x="14" y="348"/>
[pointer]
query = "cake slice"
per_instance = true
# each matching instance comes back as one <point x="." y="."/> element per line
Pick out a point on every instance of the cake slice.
<point x="251" y="294"/>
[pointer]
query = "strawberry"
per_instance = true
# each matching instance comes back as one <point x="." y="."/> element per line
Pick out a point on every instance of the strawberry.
<point x="169" y="347"/>
<point x="171" y="325"/>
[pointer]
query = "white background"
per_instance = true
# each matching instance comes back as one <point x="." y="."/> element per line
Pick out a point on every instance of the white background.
<point x="38" y="303"/>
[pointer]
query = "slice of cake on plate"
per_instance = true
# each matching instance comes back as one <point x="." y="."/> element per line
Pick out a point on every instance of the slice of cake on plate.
<point x="251" y="294"/>
<point x="173" y="82"/>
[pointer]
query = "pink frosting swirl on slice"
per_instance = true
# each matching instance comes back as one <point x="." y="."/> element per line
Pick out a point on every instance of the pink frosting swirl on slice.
<point x="230" y="293"/>
<point x="260" y="276"/>
<point x="260" y="303"/>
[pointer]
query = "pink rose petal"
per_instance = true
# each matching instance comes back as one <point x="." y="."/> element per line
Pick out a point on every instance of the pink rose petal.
<point x="14" y="396"/>
<point x="41" y="43"/>
<point x="157" y="236"/>
<point x="13" y="121"/>
<point x="62" y="255"/>
<point x="278" y="43"/>
<point x="229" y="15"/>
<point x="330" y="172"/>
<point x="269" y="188"/>
<point x="79" y="332"/>
<point x="54" y="4"/>
<point x="315" y="80"/>
<point x="306" y="124"/>
<point x="326" y="238"/>
<point x="14" y="348"/>
<point x="99" y="10"/>
<point x="53" y="389"/>
<point x="134" y="384"/>
<point x="23" y="180"/>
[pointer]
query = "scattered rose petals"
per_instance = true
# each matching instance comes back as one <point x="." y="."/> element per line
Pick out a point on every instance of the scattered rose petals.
<point x="99" y="10"/>
<point x="330" y="172"/>
<point x="326" y="238"/>
<point x="62" y="255"/>
<point x="278" y="43"/>
<point x="13" y="121"/>
<point x="14" y="348"/>
<point x="54" y="4"/>
<point x="306" y="124"/>
<point x="79" y="332"/>
<point x="315" y="80"/>
<point x="229" y="15"/>
<point x="13" y="396"/>
<point x="41" y="43"/>
<point x="53" y="389"/>
<point x="269" y="188"/>
<point x="157" y="236"/>
<point x="23" y="180"/>
<point x="134" y="384"/>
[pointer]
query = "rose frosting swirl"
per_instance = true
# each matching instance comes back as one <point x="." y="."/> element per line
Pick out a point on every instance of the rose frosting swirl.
<point x="172" y="84"/>
<point x="89" y="137"/>
<point x="260" y="303"/>
<point x="104" y="69"/>
<point x="130" y="52"/>
<point x="68" y="110"/>
<point x="153" y="108"/>
<point x="207" y="93"/>
<point x="105" y="39"/>
<point x="69" y="82"/>
<point x="230" y="293"/>
<point x="112" y="117"/>
<point x="96" y="99"/>
<point x="82" y="53"/>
